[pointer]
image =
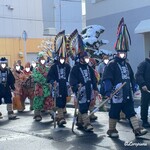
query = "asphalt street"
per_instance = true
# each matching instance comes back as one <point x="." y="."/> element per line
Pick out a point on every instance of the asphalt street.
<point x="26" y="134"/>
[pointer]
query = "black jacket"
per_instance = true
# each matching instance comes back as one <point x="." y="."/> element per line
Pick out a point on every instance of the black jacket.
<point x="143" y="73"/>
<point x="76" y="77"/>
<point x="112" y="76"/>
<point x="53" y="75"/>
<point x="10" y="82"/>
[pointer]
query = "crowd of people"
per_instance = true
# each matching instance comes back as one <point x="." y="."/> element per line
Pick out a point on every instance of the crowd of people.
<point x="48" y="86"/>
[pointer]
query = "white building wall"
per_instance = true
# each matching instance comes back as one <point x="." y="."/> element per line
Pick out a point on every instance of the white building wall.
<point x="68" y="16"/>
<point x="48" y="13"/>
<point x="109" y="14"/>
<point x="23" y="15"/>
<point x="108" y="7"/>
<point x="34" y="16"/>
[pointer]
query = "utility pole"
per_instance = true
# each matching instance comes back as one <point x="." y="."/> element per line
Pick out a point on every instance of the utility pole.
<point x="60" y="13"/>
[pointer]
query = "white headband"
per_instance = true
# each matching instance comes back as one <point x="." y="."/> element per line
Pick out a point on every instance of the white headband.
<point x="5" y="61"/>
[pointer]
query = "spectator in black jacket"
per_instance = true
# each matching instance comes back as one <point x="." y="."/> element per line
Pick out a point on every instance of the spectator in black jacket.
<point x="143" y="80"/>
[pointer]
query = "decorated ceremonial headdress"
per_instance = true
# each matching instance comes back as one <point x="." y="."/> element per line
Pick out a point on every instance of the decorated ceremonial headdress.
<point x="60" y="44"/>
<point x="123" y="37"/>
<point x="75" y="44"/>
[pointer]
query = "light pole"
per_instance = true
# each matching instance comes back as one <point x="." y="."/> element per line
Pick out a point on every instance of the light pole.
<point x="60" y="13"/>
<point x="24" y="37"/>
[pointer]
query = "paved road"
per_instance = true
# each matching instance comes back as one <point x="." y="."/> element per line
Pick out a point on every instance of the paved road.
<point x="26" y="134"/>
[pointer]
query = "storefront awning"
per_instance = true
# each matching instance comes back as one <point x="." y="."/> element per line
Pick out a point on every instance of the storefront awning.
<point x="143" y="26"/>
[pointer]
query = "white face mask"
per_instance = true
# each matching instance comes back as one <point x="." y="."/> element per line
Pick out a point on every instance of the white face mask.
<point x="3" y="65"/>
<point x="17" y="68"/>
<point x="106" y="61"/>
<point x="42" y="62"/>
<point x="34" y="64"/>
<point x="122" y="55"/>
<point x="62" y="61"/>
<point x="87" y="60"/>
<point x="27" y="69"/>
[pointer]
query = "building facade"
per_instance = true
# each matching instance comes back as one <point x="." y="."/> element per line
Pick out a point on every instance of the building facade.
<point x="25" y="23"/>
<point x="136" y="14"/>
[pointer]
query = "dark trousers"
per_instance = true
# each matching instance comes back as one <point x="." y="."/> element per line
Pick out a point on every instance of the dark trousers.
<point x="145" y="101"/>
<point x="61" y="102"/>
<point x="6" y="94"/>
<point x="84" y="107"/>
<point x="7" y="99"/>
<point x="127" y="108"/>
